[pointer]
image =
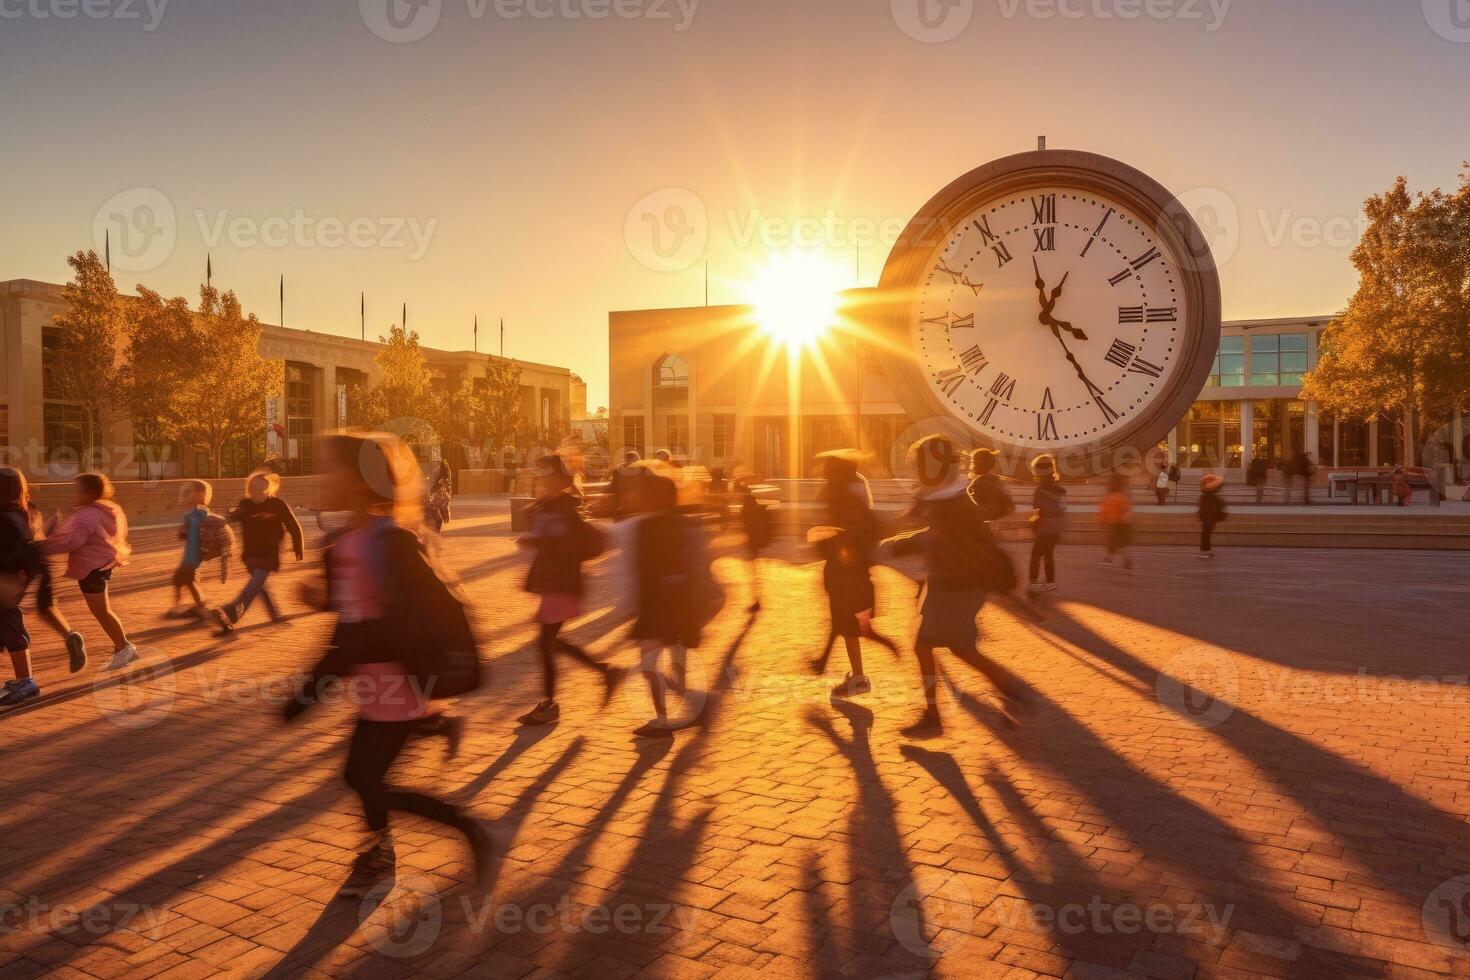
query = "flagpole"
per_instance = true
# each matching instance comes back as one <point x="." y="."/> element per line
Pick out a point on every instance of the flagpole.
<point x="502" y="336"/>
<point x="362" y="312"/>
<point x="404" y="324"/>
<point x="283" y="299"/>
<point x="208" y="270"/>
<point x="107" y="247"/>
<point x="477" y="333"/>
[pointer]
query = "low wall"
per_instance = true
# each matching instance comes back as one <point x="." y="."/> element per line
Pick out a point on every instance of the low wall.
<point x="155" y="498"/>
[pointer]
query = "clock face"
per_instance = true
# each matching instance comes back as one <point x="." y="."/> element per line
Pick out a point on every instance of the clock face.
<point x="1050" y="317"/>
<point x="1057" y="302"/>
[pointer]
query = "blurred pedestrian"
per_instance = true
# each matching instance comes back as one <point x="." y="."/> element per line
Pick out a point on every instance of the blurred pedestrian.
<point x="265" y="521"/>
<point x="395" y="621"/>
<point x="561" y="540"/>
<point x="1255" y="476"/>
<point x="438" y="498"/>
<point x="986" y="491"/>
<point x="1175" y="476"/>
<point x="1114" y="515"/>
<point x="1302" y="472"/>
<point x="94" y="537"/>
<point x="203" y="533"/>
<point x="1403" y="492"/>
<point x="1161" y="486"/>
<point x="21" y="564"/>
<point x="846" y="544"/>
<point x="1211" y="512"/>
<point x="1048" y="517"/>
<point x="963" y="565"/>
<point x="756" y="522"/>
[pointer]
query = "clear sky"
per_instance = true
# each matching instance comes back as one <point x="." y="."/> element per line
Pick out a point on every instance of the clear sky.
<point x="496" y="165"/>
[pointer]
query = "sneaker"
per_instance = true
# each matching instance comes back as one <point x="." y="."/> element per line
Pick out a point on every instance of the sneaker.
<point x="1035" y="587"/>
<point x="1206" y="555"/>
<point x="18" y="691"/>
<point x="654" y="729"/>
<point x="853" y="686"/>
<point x="372" y="868"/>
<point x="123" y="657"/>
<point x="612" y="679"/>
<point x="543" y="714"/>
<point x="225" y="622"/>
<point x="928" y="726"/>
<point x="1046" y="587"/>
<point x="1107" y="559"/>
<point x="76" y="649"/>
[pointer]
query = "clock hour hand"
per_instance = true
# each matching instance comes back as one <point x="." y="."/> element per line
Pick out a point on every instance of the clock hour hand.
<point x="1056" y="324"/>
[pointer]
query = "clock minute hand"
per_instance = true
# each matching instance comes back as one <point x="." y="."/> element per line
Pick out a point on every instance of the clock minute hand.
<point x="1092" y="389"/>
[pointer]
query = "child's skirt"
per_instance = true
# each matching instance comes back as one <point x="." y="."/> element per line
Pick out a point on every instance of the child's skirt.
<point x="558" y="607"/>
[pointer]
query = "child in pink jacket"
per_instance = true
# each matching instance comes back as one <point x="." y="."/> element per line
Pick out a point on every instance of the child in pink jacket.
<point x="94" y="537"/>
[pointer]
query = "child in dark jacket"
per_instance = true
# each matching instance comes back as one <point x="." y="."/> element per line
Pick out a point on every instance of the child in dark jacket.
<point x="1211" y="512"/>
<point x="265" y="520"/>
<point x="562" y="540"/>
<point x="381" y="587"/>
<point x="757" y="525"/>
<point x="1049" y="512"/>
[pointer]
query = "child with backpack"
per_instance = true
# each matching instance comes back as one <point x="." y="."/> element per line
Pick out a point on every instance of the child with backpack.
<point x="207" y="536"/>
<point x="20" y="564"/>
<point x="963" y="566"/>
<point x="265" y="520"/>
<point x="402" y="637"/>
<point x="1114" y="516"/>
<point x="1048" y="517"/>
<point x="562" y="540"/>
<point x="94" y="538"/>
<point x="1211" y="512"/>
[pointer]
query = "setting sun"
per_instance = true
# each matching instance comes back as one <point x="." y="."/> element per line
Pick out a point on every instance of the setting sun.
<point x="795" y="297"/>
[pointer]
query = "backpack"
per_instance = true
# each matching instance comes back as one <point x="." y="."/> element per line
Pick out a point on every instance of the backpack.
<point x="445" y="655"/>
<point x="588" y="540"/>
<point x="216" y="538"/>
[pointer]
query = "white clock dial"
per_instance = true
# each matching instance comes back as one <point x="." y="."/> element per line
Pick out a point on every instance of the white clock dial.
<point x="1050" y="317"/>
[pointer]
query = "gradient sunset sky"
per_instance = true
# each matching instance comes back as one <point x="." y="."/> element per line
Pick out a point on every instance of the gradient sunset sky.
<point x="525" y="143"/>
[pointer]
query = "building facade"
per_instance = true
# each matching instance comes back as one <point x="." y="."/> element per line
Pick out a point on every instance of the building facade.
<point x="42" y="432"/>
<point x="705" y="383"/>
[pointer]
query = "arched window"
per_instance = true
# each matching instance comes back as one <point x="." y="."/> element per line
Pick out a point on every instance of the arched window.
<point x="671" y="371"/>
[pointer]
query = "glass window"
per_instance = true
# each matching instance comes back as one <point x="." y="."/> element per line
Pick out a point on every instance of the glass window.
<point x="633" y="434"/>
<point x="724" y="436"/>
<point x="672" y="371"/>
<point x="1210" y="436"/>
<point x="676" y="434"/>
<point x="52" y="340"/>
<point x="1229" y="368"/>
<point x="64" y="428"/>
<point x="1266" y="360"/>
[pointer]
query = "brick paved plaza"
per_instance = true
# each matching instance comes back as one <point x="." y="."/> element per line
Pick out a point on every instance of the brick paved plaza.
<point x="1301" y="812"/>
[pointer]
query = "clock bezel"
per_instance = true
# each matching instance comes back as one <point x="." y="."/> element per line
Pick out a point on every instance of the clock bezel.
<point x="928" y="234"/>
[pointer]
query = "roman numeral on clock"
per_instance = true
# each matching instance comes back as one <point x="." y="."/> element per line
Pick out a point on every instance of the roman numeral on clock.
<point x="1121" y="353"/>
<point x="1145" y="258"/>
<point x="989" y="240"/>
<point x="1045" y="209"/>
<point x="1140" y="366"/>
<point x="989" y="411"/>
<point x="974" y="360"/>
<point x="1046" y="422"/>
<point x="959" y="278"/>
<point x="951" y="321"/>
<point x="1046" y="240"/>
<point x="950" y="381"/>
<point x="1004" y="386"/>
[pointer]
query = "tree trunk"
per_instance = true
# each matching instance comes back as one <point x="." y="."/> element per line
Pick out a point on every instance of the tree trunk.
<point x="1411" y="440"/>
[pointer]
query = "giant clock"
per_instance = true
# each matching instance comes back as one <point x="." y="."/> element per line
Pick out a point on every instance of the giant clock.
<point x="1054" y="301"/>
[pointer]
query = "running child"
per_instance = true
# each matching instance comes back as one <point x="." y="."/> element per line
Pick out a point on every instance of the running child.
<point x="1047" y="519"/>
<point x="194" y="496"/>
<point x="20" y="564"/>
<point x="847" y="545"/>
<point x="562" y="540"/>
<point x="94" y="538"/>
<point x="757" y="524"/>
<point x="963" y="565"/>
<point x="265" y="520"/>
<point x="385" y="595"/>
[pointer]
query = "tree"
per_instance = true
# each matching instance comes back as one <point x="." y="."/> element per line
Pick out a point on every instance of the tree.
<point x="82" y="366"/>
<point x="162" y="347"/>
<point x="401" y="399"/>
<point x="221" y="393"/>
<point x="456" y="414"/>
<point x="1401" y="350"/>
<point x="502" y="424"/>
